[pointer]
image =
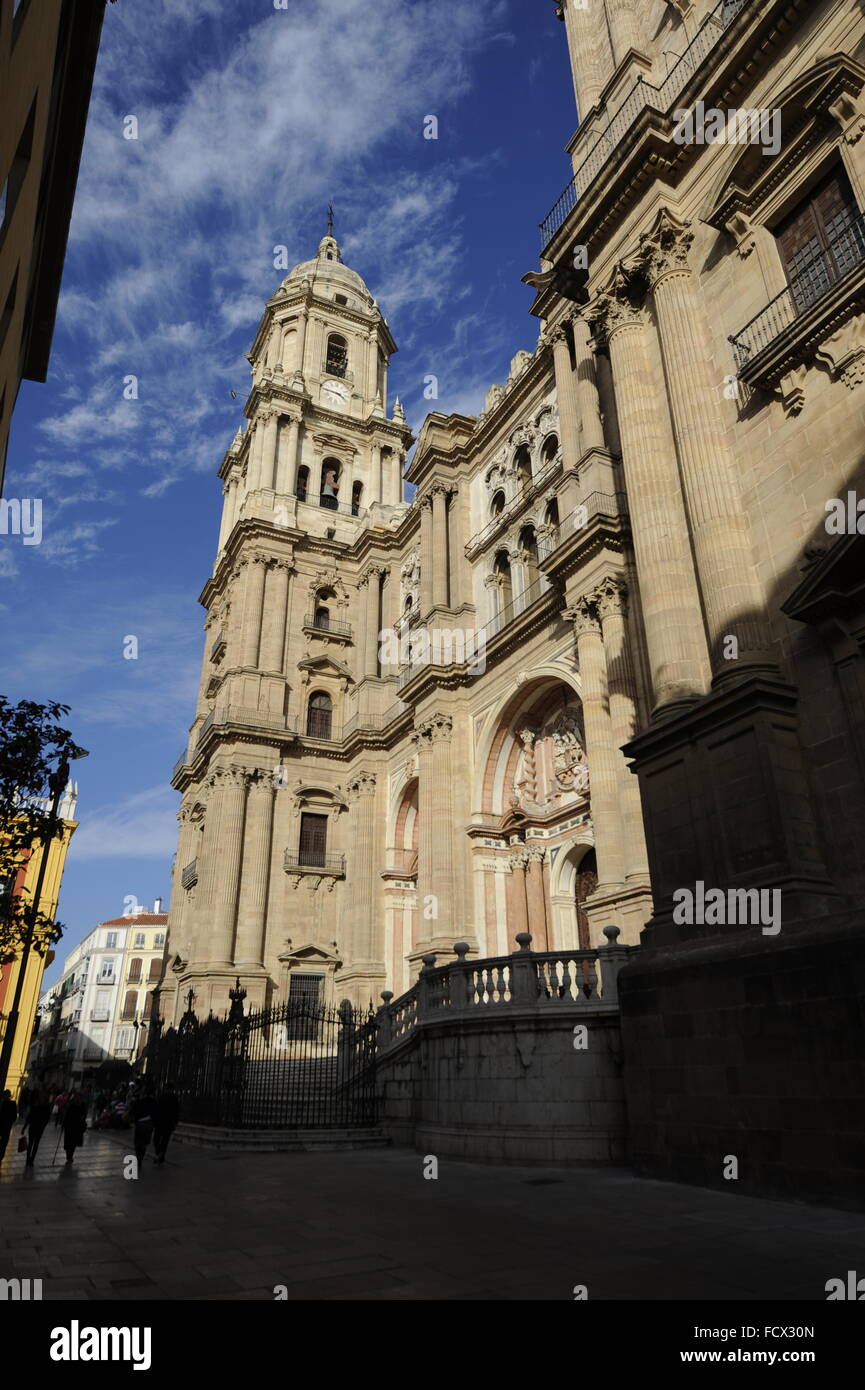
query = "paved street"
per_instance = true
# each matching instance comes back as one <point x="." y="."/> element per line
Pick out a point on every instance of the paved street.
<point x="367" y="1225"/>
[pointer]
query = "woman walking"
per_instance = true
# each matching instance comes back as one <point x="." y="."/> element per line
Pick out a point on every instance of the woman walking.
<point x="37" y="1118"/>
<point x="74" y="1124"/>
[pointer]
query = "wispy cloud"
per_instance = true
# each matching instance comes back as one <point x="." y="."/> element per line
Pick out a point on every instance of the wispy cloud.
<point x="142" y="826"/>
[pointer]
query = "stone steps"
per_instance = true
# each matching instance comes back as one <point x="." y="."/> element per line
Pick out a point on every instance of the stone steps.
<point x="281" y="1140"/>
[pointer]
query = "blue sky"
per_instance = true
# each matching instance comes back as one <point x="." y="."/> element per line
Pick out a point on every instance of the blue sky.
<point x="249" y="120"/>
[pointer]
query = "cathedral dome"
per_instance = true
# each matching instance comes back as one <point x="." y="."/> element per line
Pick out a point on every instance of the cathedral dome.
<point x="328" y="273"/>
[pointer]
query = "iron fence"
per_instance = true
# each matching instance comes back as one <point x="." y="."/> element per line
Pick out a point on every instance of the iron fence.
<point x="297" y="1065"/>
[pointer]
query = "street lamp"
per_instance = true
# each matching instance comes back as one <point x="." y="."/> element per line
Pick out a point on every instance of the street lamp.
<point x="56" y="785"/>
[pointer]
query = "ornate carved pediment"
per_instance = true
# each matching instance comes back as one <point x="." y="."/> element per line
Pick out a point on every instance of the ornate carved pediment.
<point x="329" y="579"/>
<point x="325" y="665"/>
<point x="311" y="953"/>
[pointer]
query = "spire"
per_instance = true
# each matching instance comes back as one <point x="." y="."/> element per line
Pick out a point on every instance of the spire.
<point x="330" y="219"/>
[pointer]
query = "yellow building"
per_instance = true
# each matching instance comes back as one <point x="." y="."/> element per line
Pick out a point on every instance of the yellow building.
<point x="24" y="884"/>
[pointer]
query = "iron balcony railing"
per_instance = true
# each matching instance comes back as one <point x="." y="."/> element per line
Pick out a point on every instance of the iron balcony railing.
<point x="327" y="624"/>
<point x="330" y="504"/>
<point x="529" y="489"/>
<point x="218" y="646"/>
<point x="312" y="859"/>
<point x="642" y="96"/>
<point x="512" y="610"/>
<point x="179" y="765"/>
<point x="251" y="718"/>
<point x="824" y="269"/>
<point x="189" y="874"/>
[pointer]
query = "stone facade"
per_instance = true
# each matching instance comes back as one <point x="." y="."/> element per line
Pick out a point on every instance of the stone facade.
<point x="659" y="675"/>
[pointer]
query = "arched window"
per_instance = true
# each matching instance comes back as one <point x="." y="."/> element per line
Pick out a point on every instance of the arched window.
<point x="523" y="466"/>
<point x="529" y="547"/>
<point x="337" y="355"/>
<point x="551" y="515"/>
<point x="329" y="495"/>
<point x="319" y="715"/>
<point x="321" y="613"/>
<point x="585" y="883"/>
<point x="497" y="505"/>
<point x="502" y="569"/>
<point x="550" y="449"/>
<point x="356" y="494"/>
<point x="302" y="487"/>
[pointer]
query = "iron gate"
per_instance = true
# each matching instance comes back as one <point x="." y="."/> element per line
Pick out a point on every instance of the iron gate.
<point x="296" y="1065"/>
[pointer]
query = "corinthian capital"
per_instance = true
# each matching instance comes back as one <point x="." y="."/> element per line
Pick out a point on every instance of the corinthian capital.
<point x="665" y="249"/>
<point x="611" y="596"/>
<point x="619" y="305"/>
<point x="437" y="729"/>
<point x="583" y="616"/>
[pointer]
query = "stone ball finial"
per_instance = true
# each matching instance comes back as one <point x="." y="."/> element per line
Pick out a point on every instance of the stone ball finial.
<point x="524" y="940"/>
<point x="387" y="995"/>
<point x="461" y="949"/>
<point x="429" y="960"/>
<point x="611" y="933"/>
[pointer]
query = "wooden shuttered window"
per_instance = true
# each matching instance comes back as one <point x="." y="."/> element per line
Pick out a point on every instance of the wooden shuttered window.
<point x="821" y="240"/>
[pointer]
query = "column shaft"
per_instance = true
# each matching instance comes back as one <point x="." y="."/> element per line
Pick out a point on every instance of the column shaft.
<point x="518" y="916"/>
<point x="569" y="419"/>
<point x="602" y="755"/>
<point x="589" y="49"/>
<point x="426" y="556"/>
<point x="625" y="30"/>
<point x="224" y="837"/>
<point x="670" y="602"/>
<point x="440" y="548"/>
<point x="588" y="400"/>
<point x="252" y="610"/>
<point x="536" y="903"/>
<point x="274" y="618"/>
<point x="287" y="465"/>
<point x="622" y="689"/>
<point x="256" y="872"/>
<point x="364" y="946"/>
<point x="371" y="624"/>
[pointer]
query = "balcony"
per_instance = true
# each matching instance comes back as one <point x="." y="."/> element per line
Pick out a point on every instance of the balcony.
<point x="189" y="875"/>
<point x="99" y="1015"/>
<point x="328" y="626"/>
<point x="527" y="493"/>
<point x="218" y="648"/>
<point x="831" y="280"/>
<point x="179" y="765"/>
<point x="310" y="861"/>
<point x="642" y="96"/>
<point x="247" y="717"/>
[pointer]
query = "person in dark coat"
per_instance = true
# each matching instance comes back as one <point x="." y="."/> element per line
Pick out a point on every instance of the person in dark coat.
<point x="8" y="1116"/>
<point x="37" y="1118"/>
<point x="74" y="1124"/>
<point x="141" y="1113"/>
<point x="165" y="1117"/>
<point x="24" y="1102"/>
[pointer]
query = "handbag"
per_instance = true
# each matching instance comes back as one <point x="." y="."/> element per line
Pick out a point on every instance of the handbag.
<point x="22" y="1143"/>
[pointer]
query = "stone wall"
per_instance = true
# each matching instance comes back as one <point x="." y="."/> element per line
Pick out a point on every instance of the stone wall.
<point x="750" y="1047"/>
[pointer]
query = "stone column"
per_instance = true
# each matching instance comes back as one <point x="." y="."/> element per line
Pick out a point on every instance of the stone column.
<point x="253" y="600"/>
<point x="719" y="525"/>
<point x="569" y="419"/>
<point x="287" y="464"/>
<point x="535" y="899"/>
<point x="225" y="524"/>
<point x="269" y="448"/>
<point x="376" y="480"/>
<point x="363" y="888"/>
<point x="253" y="458"/>
<point x="426" y="554"/>
<point x="672" y="615"/>
<point x="601" y="753"/>
<point x="589" y="48"/>
<point x="588" y="399"/>
<point x="274" y="614"/>
<point x="372" y="364"/>
<point x="371" y="582"/>
<point x="625" y="29"/>
<point x="435" y="808"/>
<point x="611" y="600"/>
<point x="518" y="917"/>
<point x="221" y="871"/>
<point x="302" y="326"/>
<point x="248" y="952"/>
<point x="440" y="545"/>
<point x="233" y="503"/>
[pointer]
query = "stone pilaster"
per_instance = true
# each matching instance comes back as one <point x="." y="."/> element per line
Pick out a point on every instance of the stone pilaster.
<point x="601" y="752"/>
<point x="569" y="418"/>
<point x="435" y="810"/>
<point x="625" y="29"/>
<point x="426" y="554"/>
<point x="267" y="475"/>
<point x="719" y="525"/>
<point x="440" y="545"/>
<point x="253" y="600"/>
<point x="274" y="617"/>
<point x="611" y="602"/>
<point x="590" y="53"/>
<point x="248" y="952"/>
<point x="675" y="637"/>
<point x="287" y="464"/>
<point x="536" y="899"/>
<point x="586" y="380"/>
<point x="365" y="950"/>
<point x="225" y="523"/>
<point x="220" y="875"/>
<point x="518" y="912"/>
<point x="370" y="586"/>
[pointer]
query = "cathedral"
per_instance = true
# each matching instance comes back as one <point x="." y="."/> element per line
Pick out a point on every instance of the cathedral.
<point x="606" y="648"/>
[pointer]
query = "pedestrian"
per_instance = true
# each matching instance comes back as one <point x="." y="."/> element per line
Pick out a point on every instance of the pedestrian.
<point x="24" y="1102"/>
<point x="37" y="1118"/>
<point x="8" y="1116"/>
<point x="59" y="1106"/>
<point x="165" y="1116"/>
<point x="141" y="1113"/>
<point x="74" y="1124"/>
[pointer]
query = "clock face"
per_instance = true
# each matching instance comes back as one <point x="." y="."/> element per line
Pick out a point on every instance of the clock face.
<point x="335" y="394"/>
